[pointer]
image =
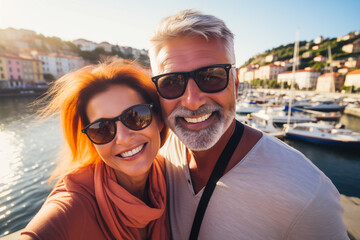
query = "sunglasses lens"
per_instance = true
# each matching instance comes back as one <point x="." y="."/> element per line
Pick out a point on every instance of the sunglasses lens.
<point x="138" y="117"/>
<point x="101" y="132"/>
<point x="212" y="79"/>
<point x="171" y="86"/>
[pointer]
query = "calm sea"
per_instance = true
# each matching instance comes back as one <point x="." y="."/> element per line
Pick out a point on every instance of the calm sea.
<point x="28" y="151"/>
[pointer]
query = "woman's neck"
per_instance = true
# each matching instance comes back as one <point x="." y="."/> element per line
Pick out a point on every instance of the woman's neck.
<point x="137" y="186"/>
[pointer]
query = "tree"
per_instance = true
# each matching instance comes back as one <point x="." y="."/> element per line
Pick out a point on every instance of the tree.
<point x="273" y="84"/>
<point x="318" y="66"/>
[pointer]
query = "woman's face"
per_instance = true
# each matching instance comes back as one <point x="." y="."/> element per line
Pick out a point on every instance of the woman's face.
<point x="130" y="153"/>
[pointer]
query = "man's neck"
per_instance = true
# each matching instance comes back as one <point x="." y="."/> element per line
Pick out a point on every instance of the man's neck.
<point x="201" y="163"/>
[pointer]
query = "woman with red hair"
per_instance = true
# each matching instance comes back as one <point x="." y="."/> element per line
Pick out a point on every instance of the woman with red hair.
<point x="111" y="178"/>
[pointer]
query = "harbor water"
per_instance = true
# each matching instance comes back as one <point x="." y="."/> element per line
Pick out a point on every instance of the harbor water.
<point x="28" y="152"/>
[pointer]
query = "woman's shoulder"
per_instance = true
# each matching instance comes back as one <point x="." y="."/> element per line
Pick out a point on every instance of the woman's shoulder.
<point x="72" y="196"/>
<point x="63" y="214"/>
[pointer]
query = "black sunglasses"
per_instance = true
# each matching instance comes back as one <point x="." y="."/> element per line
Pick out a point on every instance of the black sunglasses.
<point x="103" y="131"/>
<point x="210" y="79"/>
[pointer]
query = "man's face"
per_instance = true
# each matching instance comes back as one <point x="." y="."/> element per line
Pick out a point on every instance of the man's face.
<point x="199" y="119"/>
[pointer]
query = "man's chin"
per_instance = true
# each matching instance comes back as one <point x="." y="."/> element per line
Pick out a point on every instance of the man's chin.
<point x="198" y="140"/>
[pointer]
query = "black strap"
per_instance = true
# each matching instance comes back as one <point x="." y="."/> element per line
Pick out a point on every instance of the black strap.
<point x="214" y="177"/>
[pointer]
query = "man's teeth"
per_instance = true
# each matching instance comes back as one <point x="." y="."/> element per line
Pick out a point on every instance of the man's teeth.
<point x="132" y="152"/>
<point x="199" y="119"/>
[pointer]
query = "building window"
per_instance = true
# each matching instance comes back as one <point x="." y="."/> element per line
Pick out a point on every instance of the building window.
<point x="2" y="75"/>
<point x="17" y="63"/>
<point x="10" y="69"/>
<point x="18" y="70"/>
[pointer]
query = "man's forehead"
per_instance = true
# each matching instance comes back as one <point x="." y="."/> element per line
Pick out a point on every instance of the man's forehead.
<point x="182" y="58"/>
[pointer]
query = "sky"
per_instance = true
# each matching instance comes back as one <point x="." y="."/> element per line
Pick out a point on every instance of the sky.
<point x="258" y="25"/>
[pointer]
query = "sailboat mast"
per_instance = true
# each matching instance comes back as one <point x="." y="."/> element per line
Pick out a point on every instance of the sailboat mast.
<point x="295" y="62"/>
<point x="331" y="70"/>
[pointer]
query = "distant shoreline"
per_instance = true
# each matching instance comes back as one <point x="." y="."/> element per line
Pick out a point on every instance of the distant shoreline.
<point x="21" y="92"/>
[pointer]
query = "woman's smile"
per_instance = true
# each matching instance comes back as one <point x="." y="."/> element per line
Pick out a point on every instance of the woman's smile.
<point x="132" y="152"/>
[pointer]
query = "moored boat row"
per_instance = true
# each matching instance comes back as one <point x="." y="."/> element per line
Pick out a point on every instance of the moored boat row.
<point x="311" y="120"/>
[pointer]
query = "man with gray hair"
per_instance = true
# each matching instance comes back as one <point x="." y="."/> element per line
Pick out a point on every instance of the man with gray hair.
<point x="227" y="180"/>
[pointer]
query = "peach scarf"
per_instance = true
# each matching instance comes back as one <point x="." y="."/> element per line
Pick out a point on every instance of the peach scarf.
<point x="121" y="213"/>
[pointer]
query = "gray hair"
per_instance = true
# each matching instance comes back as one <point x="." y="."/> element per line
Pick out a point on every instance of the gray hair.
<point x="190" y="23"/>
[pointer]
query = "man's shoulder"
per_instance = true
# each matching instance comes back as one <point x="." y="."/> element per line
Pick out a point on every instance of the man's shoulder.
<point x="280" y="162"/>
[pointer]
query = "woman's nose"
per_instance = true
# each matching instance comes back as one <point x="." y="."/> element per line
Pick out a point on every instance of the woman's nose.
<point x="123" y="133"/>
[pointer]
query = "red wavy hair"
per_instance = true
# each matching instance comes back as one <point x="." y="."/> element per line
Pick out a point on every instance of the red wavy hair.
<point x="69" y="96"/>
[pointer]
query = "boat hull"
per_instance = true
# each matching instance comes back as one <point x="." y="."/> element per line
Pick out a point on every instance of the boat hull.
<point x="326" y="108"/>
<point x="322" y="141"/>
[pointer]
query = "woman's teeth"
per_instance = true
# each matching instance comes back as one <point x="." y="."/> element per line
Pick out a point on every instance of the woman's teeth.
<point x="199" y="119"/>
<point x="132" y="152"/>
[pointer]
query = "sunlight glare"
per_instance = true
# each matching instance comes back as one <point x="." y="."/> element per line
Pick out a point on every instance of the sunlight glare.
<point x="10" y="154"/>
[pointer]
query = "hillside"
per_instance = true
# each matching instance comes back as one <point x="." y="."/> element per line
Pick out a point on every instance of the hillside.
<point x="309" y="50"/>
<point x="24" y="41"/>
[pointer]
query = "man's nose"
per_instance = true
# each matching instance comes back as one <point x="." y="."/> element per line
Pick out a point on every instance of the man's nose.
<point x="193" y="97"/>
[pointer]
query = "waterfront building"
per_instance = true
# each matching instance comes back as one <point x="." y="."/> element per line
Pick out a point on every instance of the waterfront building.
<point x="352" y="63"/>
<point x="344" y="38"/>
<point x="329" y="82"/>
<point x="338" y="63"/>
<point x="353" y="79"/>
<point x="353" y="47"/>
<point x="316" y="47"/>
<point x="298" y="61"/>
<point x="319" y="39"/>
<point x="268" y="72"/>
<point x="343" y="71"/>
<point x="286" y="64"/>
<point x="57" y="64"/>
<point x="305" y="79"/>
<point x="271" y="57"/>
<point x="3" y="74"/>
<point x="307" y="54"/>
<point x="85" y="45"/>
<point x="249" y="75"/>
<point x="106" y="46"/>
<point x="27" y="71"/>
<point x="32" y="68"/>
<point x="320" y="58"/>
<point x="241" y="73"/>
<point x="14" y="69"/>
<point x="243" y="70"/>
<point x="19" y="70"/>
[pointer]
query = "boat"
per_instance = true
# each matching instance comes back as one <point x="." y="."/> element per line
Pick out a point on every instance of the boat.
<point x="330" y="116"/>
<point x="266" y="126"/>
<point x="279" y="116"/>
<point x="326" y="106"/>
<point x="301" y="103"/>
<point x="244" y="108"/>
<point x="323" y="133"/>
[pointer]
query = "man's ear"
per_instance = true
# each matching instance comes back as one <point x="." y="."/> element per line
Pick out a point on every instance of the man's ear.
<point x="236" y="79"/>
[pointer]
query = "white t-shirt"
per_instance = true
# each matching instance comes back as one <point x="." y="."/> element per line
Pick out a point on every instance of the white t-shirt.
<point x="274" y="192"/>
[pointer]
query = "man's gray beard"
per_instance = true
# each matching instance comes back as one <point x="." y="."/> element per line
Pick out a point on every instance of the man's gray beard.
<point x="200" y="140"/>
